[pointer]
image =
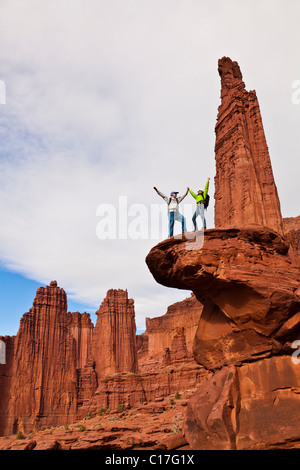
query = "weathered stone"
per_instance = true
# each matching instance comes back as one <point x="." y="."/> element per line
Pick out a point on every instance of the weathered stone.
<point x="291" y="226"/>
<point x="245" y="191"/>
<point x="59" y="367"/>
<point x="114" y="338"/>
<point x="248" y="279"/>
<point x="256" y="406"/>
<point x="169" y="338"/>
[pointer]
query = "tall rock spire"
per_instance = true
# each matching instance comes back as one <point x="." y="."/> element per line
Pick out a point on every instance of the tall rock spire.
<point x="42" y="389"/>
<point x="245" y="190"/>
<point x="114" y="342"/>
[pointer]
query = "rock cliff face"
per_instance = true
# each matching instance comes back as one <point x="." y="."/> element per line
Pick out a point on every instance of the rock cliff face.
<point x="60" y="368"/>
<point x="291" y="227"/>
<point x="81" y="328"/>
<point x="169" y="338"/>
<point x="165" y="363"/>
<point x="231" y="344"/>
<point x="245" y="191"/>
<point x="41" y="366"/>
<point x="247" y="283"/>
<point x="251" y="317"/>
<point x="247" y="276"/>
<point x="114" y="338"/>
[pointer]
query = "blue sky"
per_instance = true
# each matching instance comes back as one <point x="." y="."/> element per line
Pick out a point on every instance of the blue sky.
<point x="17" y="294"/>
<point x="112" y="97"/>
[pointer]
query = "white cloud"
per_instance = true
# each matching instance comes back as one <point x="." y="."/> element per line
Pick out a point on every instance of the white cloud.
<point x="109" y="98"/>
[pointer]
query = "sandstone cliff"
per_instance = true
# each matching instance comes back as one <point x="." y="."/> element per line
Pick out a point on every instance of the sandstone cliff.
<point x="245" y="191"/>
<point x="291" y="227"/>
<point x="169" y="338"/>
<point x="114" y="338"/>
<point x="240" y="325"/>
<point x="251" y="317"/>
<point x="60" y="367"/>
<point x="247" y="276"/>
<point x="41" y="366"/>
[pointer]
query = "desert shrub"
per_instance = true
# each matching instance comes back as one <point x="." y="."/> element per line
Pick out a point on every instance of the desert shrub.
<point x="81" y="427"/>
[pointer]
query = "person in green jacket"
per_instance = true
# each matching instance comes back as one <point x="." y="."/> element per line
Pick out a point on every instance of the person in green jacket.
<point x="200" y="198"/>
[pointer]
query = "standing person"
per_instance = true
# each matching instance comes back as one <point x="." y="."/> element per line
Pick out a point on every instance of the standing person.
<point x="173" y="206"/>
<point x="200" y="199"/>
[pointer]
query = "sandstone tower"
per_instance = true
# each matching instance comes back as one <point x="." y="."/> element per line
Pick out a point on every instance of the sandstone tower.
<point x="245" y="188"/>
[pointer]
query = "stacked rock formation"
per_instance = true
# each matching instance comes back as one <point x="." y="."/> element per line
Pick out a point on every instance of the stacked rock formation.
<point x="60" y="368"/>
<point x="169" y="338"/>
<point x="114" y="334"/>
<point x="291" y="227"/>
<point x="245" y="191"/>
<point x="247" y="277"/>
<point x="41" y="366"/>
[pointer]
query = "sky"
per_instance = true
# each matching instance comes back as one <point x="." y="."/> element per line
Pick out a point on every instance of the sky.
<point x="100" y="100"/>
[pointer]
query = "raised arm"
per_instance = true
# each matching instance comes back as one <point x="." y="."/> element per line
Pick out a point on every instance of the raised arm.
<point x="193" y="194"/>
<point x="183" y="196"/>
<point x="161" y="194"/>
<point x="206" y="188"/>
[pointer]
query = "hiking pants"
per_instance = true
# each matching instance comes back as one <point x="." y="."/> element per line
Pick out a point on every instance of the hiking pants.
<point x="176" y="216"/>
<point x="199" y="211"/>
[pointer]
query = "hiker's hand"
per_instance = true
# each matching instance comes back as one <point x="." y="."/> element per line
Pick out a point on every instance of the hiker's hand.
<point x="208" y="179"/>
<point x="188" y="188"/>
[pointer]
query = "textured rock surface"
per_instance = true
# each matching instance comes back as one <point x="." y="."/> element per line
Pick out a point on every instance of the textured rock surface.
<point x="245" y="191"/>
<point x="255" y="406"/>
<point x="246" y="273"/>
<point x="291" y="226"/>
<point x="169" y="338"/>
<point x="114" y="338"/>
<point x="81" y="328"/>
<point x="59" y="368"/>
<point x="251" y="317"/>
<point x="156" y="426"/>
<point x="42" y="366"/>
<point x="131" y="390"/>
<point x="247" y="283"/>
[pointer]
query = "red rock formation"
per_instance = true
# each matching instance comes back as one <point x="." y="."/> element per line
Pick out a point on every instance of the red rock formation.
<point x="42" y="366"/>
<point x="247" y="283"/>
<point x="169" y="338"/>
<point x="81" y="328"/>
<point x="248" y="279"/>
<point x="291" y="223"/>
<point x="130" y="390"/>
<point x="255" y="406"/>
<point x="5" y="381"/>
<point x="245" y="191"/>
<point x="251" y="295"/>
<point x="114" y="341"/>
<point x="156" y="426"/>
<point x="291" y="227"/>
<point x="59" y="368"/>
